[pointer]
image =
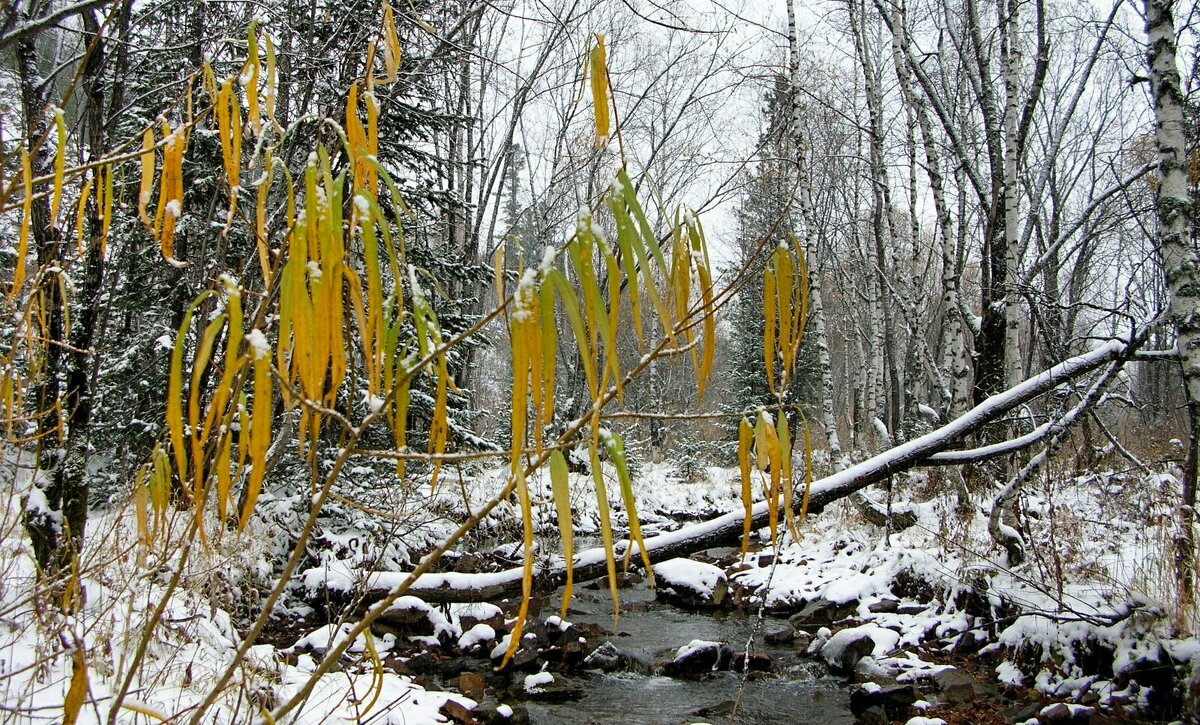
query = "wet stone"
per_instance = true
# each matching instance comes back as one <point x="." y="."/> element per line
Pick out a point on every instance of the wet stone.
<point x="606" y="658"/>
<point x="472" y="684"/>
<point x="872" y="716"/>
<point x="780" y="635"/>
<point x="422" y="663"/>
<point x="885" y="606"/>
<point x="896" y="700"/>
<point x="759" y="662"/>
<point x="699" y="658"/>
<point x="490" y="712"/>
<point x="457" y="712"/>
<point x="546" y="687"/>
<point x="821" y="612"/>
<point x="954" y="686"/>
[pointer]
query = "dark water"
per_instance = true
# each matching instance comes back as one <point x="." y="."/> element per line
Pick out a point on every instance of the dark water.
<point x="651" y="632"/>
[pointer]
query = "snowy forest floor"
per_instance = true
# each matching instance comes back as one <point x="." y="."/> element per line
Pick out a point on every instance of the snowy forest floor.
<point x="1090" y="621"/>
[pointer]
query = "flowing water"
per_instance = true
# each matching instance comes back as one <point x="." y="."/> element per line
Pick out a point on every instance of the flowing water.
<point x="802" y="692"/>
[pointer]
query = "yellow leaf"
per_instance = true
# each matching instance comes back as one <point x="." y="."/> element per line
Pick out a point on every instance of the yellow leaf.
<point x="105" y="208"/>
<point x="606" y="533"/>
<point x="745" y="436"/>
<point x="141" y="509"/>
<point x="549" y="337"/>
<point x="527" y="569"/>
<point x="785" y="453"/>
<point x="260" y="421"/>
<point x="498" y="272"/>
<point x="250" y="79"/>
<point x="175" y="390"/>
<point x="773" y="456"/>
<point x="81" y="214"/>
<point x="272" y="83"/>
<point x="571" y="306"/>
<point x="559" y="487"/>
<point x="391" y="45"/>
<point x="783" y="267"/>
<point x="769" y="326"/>
<point x="77" y="692"/>
<point x="26" y="215"/>
<point x="60" y="159"/>
<point x="808" y="473"/>
<point x="199" y="363"/>
<point x="616" y="452"/>
<point x="147" y="180"/>
<point x="260" y="219"/>
<point x="599" y="77"/>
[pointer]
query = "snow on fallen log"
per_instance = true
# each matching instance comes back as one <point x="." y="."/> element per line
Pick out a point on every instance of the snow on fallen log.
<point x="726" y="529"/>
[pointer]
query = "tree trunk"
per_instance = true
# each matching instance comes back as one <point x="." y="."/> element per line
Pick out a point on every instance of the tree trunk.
<point x="1180" y="260"/>
<point x="837" y="459"/>
<point x="43" y="519"/>
<point x="727" y="529"/>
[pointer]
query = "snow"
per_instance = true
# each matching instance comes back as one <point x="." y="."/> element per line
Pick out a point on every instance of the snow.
<point x="504" y="710"/>
<point x="696" y="645"/>
<point x="884" y="640"/>
<point x="327" y="637"/>
<point x="259" y="347"/>
<point x="692" y="575"/>
<point x="479" y="634"/>
<point x="534" y="683"/>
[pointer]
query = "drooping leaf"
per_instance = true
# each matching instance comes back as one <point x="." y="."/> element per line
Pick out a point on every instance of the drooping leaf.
<point x="616" y="451"/>
<point x="527" y="568"/>
<point x="560" y="489"/>
<point x="260" y="420"/>
<point x="146" y="185"/>
<point x="18" y="280"/>
<point x="745" y="437"/>
<point x="60" y="161"/>
<point x="606" y="532"/>
<point x="77" y="692"/>
<point x="599" y="78"/>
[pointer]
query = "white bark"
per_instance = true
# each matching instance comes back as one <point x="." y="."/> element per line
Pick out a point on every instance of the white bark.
<point x="837" y="457"/>
<point x="1180" y="262"/>
<point x="1011" y="55"/>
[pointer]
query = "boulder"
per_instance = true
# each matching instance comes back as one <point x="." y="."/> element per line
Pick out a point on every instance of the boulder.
<point x="954" y="686"/>
<point x="821" y="612"/>
<point x="690" y="583"/>
<point x="547" y="687"/>
<point x="699" y="657"/>
<point x="472" y="613"/>
<point x="896" y="700"/>
<point x="490" y="712"/>
<point x="606" y="658"/>
<point x="845" y="648"/>
<point x="759" y="662"/>
<point x="471" y="684"/>
<point x="782" y="634"/>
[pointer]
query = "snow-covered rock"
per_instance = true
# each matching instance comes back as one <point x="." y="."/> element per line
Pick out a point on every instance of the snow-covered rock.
<point x="845" y="648"/>
<point x="691" y="583"/>
<point x="699" y="657"/>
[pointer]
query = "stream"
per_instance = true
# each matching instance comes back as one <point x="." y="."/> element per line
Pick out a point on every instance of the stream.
<point x="650" y="631"/>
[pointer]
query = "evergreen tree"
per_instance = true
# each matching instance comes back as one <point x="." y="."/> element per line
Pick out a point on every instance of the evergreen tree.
<point x="766" y="218"/>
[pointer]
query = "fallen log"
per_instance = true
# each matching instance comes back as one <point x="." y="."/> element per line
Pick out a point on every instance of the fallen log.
<point x="725" y="529"/>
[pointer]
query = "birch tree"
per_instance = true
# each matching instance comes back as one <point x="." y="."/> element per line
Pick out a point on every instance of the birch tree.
<point x="1181" y="261"/>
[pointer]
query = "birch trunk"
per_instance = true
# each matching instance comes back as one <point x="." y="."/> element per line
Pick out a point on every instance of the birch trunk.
<point x="955" y="360"/>
<point x="1180" y="260"/>
<point x="1012" y="302"/>
<point x="837" y="459"/>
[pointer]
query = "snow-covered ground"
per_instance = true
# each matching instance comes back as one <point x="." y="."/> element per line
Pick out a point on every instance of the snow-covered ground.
<point x="1098" y="581"/>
